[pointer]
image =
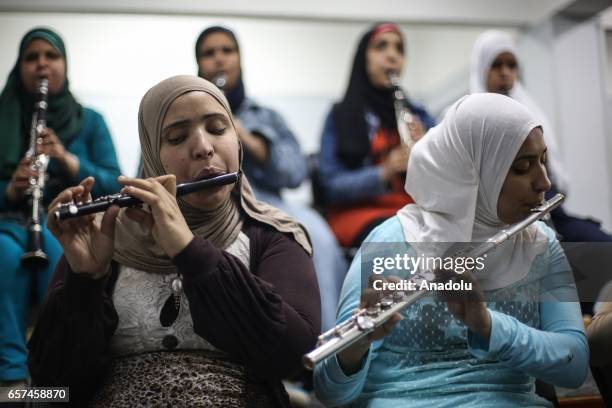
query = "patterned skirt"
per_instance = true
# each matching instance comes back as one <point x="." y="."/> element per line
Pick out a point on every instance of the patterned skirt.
<point x="181" y="379"/>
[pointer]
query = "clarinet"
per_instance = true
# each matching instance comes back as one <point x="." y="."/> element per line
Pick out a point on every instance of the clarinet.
<point x="71" y="210"/>
<point x="35" y="257"/>
<point x="365" y="321"/>
<point x="403" y="116"/>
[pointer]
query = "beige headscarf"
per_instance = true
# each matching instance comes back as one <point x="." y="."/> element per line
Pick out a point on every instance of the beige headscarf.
<point x="135" y="246"/>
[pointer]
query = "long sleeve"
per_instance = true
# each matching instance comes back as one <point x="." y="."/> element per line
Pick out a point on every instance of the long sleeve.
<point x="267" y="317"/>
<point x="286" y="165"/>
<point x="70" y="345"/>
<point x="557" y="352"/>
<point x="339" y="183"/>
<point x="101" y="159"/>
<point x="332" y="386"/>
<point x="4" y="205"/>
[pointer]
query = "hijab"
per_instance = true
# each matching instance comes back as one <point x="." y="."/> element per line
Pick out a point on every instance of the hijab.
<point x="487" y="48"/>
<point x="64" y="114"/>
<point x="455" y="175"/>
<point x="361" y="95"/>
<point x="134" y="245"/>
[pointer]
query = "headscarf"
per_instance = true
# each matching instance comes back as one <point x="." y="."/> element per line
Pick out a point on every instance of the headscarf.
<point x="455" y="175"/>
<point x="361" y="95"/>
<point x="64" y="114"/>
<point x="486" y="49"/>
<point x="136" y="247"/>
<point x="236" y="95"/>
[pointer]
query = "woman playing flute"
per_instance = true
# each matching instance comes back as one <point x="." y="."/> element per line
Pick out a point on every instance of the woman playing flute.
<point x="204" y="300"/>
<point x="481" y="169"/>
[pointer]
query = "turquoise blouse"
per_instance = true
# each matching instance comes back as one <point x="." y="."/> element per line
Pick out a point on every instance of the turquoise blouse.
<point x="431" y="359"/>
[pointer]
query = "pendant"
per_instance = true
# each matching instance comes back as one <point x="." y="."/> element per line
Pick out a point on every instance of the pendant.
<point x="177" y="289"/>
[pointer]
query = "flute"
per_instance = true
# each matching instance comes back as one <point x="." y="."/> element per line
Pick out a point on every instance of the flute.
<point x="366" y="320"/>
<point x="71" y="210"/>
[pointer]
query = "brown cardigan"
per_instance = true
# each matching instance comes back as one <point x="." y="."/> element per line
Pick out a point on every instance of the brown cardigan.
<point x="70" y="345"/>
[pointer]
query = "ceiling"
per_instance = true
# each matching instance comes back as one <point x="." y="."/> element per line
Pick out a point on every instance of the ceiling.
<point x="516" y="13"/>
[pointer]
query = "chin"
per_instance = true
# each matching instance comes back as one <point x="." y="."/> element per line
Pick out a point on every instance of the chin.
<point x="207" y="199"/>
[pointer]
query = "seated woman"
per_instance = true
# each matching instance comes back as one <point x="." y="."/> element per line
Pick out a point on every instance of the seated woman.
<point x="205" y="300"/>
<point x="481" y="169"/>
<point x="78" y="144"/>
<point x="273" y="160"/>
<point x="362" y="163"/>
<point x="494" y="68"/>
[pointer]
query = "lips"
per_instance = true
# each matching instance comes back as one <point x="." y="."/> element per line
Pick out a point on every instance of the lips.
<point x="534" y="204"/>
<point x="208" y="172"/>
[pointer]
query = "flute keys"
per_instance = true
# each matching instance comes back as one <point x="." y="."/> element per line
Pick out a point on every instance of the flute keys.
<point x="365" y="323"/>
<point x="73" y="209"/>
<point x="386" y="303"/>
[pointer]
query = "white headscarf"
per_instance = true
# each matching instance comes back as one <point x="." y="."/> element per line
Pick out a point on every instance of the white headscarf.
<point x="455" y="175"/>
<point x="487" y="47"/>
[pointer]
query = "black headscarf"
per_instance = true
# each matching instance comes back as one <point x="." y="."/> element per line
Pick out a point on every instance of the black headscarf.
<point x="236" y="95"/>
<point x="360" y="95"/>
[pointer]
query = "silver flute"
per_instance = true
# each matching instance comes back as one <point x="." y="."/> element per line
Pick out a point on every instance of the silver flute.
<point x="72" y="210"/>
<point x="35" y="256"/>
<point x="403" y="116"/>
<point x="366" y="320"/>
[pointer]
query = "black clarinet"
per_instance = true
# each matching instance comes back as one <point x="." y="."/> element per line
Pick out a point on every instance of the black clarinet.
<point x="35" y="257"/>
<point x="72" y="210"/>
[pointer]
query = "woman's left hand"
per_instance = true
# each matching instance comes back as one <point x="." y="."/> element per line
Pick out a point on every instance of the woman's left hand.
<point x="166" y="222"/>
<point x="468" y="306"/>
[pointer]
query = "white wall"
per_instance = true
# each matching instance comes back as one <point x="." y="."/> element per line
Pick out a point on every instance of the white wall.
<point x="298" y="67"/>
<point x="301" y="66"/>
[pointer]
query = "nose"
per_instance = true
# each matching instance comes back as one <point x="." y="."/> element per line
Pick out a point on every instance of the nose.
<point x="42" y="61"/>
<point x="541" y="182"/>
<point x="393" y="55"/>
<point x="202" y="146"/>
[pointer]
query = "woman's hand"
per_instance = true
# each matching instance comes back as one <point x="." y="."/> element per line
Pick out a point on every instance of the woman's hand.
<point x="54" y="148"/>
<point x="468" y="306"/>
<point x="20" y="181"/>
<point x="417" y="130"/>
<point x="88" y="241"/>
<point x="350" y="357"/>
<point x="166" y="222"/>
<point x="255" y="145"/>
<point x="395" y="163"/>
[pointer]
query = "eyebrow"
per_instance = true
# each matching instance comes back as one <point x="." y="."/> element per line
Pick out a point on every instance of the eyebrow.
<point x="530" y="155"/>
<point x="183" y="122"/>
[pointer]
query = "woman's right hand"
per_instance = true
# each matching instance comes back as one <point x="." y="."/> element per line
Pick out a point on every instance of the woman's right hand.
<point x="396" y="162"/>
<point x="20" y="181"/>
<point x="88" y="241"/>
<point x="350" y="358"/>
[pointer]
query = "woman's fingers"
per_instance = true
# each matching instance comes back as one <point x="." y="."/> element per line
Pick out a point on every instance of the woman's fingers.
<point x="109" y="220"/>
<point x="140" y="216"/>
<point x="168" y="181"/>
<point x="145" y="196"/>
<point x="71" y="195"/>
<point x="155" y="185"/>
<point x="63" y="197"/>
<point x="87" y="184"/>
